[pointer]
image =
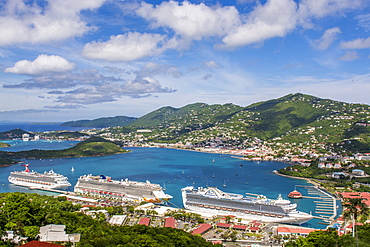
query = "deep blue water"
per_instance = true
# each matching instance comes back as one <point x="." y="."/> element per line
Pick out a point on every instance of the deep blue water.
<point x="173" y="169"/>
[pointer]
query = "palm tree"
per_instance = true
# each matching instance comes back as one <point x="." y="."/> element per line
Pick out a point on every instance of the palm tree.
<point x="354" y="209"/>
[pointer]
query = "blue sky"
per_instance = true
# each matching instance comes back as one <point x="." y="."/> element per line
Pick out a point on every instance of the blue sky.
<point x="66" y="60"/>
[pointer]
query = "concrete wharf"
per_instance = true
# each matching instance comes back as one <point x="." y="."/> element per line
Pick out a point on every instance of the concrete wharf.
<point x="326" y="203"/>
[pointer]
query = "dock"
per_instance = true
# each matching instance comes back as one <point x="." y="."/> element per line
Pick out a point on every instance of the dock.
<point x="52" y="190"/>
<point x="326" y="204"/>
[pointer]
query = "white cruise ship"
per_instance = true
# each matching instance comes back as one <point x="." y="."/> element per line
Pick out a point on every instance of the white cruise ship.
<point x="34" y="180"/>
<point x="120" y="189"/>
<point x="213" y="201"/>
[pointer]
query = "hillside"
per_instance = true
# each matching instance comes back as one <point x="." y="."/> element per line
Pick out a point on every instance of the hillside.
<point x="293" y="118"/>
<point x="194" y="116"/>
<point x="101" y="122"/>
<point x="94" y="146"/>
<point x="14" y="134"/>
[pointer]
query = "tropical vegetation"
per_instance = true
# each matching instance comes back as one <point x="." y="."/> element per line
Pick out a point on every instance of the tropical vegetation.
<point x="25" y="213"/>
<point x="94" y="146"/>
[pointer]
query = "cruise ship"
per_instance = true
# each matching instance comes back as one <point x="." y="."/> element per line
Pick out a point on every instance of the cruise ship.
<point x="34" y="180"/>
<point x="213" y="201"/>
<point x="121" y="189"/>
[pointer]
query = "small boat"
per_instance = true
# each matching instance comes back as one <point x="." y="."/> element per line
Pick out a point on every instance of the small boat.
<point x="72" y="169"/>
<point x="213" y="161"/>
<point x="224" y="183"/>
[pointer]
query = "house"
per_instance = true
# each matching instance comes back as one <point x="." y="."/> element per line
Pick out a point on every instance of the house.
<point x="321" y="165"/>
<point x="338" y="175"/>
<point x="144" y="221"/>
<point x="329" y="165"/>
<point x="254" y="229"/>
<point x="240" y="227"/>
<point x="337" y="166"/>
<point x="203" y="228"/>
<point x="117" y="220"/>
<point x="56" y="233"/>
<point x="349" y="227"/>
<point x="223" y="225"/>
<point x="13" y="238"/>
<point x="287" y="231"/>
<point x="170" y="222"/>
<point x="352" y="165"/>
<point x="358" y="172"/>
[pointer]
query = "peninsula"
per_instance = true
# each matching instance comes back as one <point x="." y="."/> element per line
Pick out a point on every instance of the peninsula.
<point x="94" y="146"/>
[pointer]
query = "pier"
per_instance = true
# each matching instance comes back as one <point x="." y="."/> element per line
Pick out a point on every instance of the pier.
<point x="52" y="190"/>
<point x="326" y="204"/>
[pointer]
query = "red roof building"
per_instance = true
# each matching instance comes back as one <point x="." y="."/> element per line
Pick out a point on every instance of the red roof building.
<point x="40" y="244"/>
<point x="253" y="229"/>
<point x="170" y="222"/>
<point x="223" y="225"/>
<point x="350" y="226"/>
<point x="240" y="227"/>
<point x="294" y="231"/>
<point x="351" y="195"/>
<point x="295" y="194"/>
<point x="144" y="221"/>
<point x="203" y="228"/>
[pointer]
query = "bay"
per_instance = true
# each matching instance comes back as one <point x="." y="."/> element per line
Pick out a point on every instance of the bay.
<point x="172" y="169"/>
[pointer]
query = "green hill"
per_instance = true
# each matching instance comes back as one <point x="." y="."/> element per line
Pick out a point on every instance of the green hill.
<point x="294" y="118"/>
<point x="189" y="117"/>
<point x="101" y="122"/>
<point x="94" y="146"/>
<point x="14" y="134"/>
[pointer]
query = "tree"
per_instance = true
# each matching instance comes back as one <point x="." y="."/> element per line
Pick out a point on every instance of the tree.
<point x="354" y="208"/>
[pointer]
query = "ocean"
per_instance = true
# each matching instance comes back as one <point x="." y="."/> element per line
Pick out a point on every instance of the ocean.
<point x="172" y="169"/>
<point x="36" y="127"/>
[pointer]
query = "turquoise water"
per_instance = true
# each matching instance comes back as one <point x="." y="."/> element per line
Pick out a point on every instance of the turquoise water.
<point x="173" y="169"/>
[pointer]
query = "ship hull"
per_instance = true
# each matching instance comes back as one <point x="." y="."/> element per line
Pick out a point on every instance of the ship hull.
<point x="213" y="201"/>
<point x="37" y="184"/>
<point x="298" y="220"/>
<point x="122" y="190"/>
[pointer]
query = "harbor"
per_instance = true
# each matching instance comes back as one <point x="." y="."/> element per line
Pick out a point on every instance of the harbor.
<point x="325" y="204"/>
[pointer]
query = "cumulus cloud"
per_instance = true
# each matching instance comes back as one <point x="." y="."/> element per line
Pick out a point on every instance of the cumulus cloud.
<point x="356" y="44"/>
<point x="322" y="8"/>
<point x="213" y="64"/>
<point x="151" y="69"/>
<point x="126" y="47"/>
<point x="33" y="22"/>
<point x="192" y="21"/>
<point x="350" y="56"/>
<point x="207" y="76"/>
<point x="326" y="39"/>
<point x="64" y="106"/>
<point x="43" y="64"/>
<point x="274" y="19"/>
<point x="137" y="88"/>
<point x="65" y="80"/>
<point x="91" y="87"/>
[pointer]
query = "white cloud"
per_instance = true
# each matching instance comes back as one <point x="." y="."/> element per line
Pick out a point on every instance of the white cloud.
<point x="189" y="20"/>
<point x="22" y="22"/>
<point x="326" y="39"/>
<point x="274" y="19"/>
<point x="356" y="44"/>
<point x="43" y="64"/>
<point x="126" y="47"/>
<point x="212" y="64"/>
<point x="350" y="56"/>
<point x="322" y="8"/>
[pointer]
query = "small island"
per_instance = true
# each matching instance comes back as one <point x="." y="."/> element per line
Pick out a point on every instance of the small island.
<point x="94" y="146"/>
<point x="4" y="145"/>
